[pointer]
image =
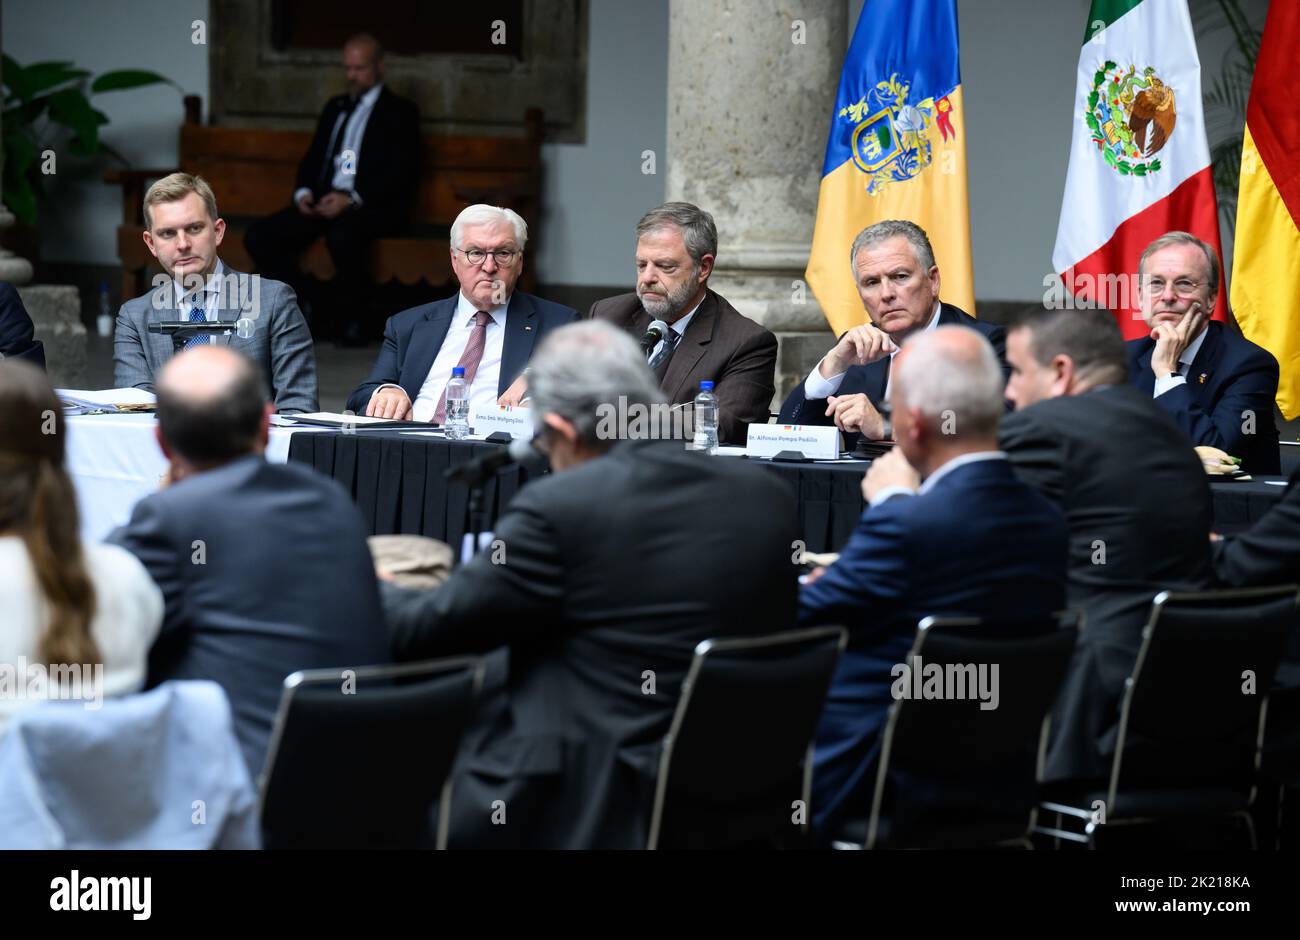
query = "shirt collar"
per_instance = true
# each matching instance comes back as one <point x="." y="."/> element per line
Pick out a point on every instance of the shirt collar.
<point x="679" y="327"/>
<point x="932" y="325"/>
<point x="956" y="462"/>
<point x="1194" y="347"/>
<point x="369" y="98"/>
<point x="212" y="286"/>
<point x="465" y="310"/>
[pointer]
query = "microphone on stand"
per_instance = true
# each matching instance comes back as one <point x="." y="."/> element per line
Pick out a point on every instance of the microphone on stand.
<point x="475" y="472"/>
<point x="654" y="333"/>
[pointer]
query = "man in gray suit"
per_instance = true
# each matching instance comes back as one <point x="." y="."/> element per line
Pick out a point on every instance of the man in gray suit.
<point x="183" y="231"/>
<point x="247" y="611"/>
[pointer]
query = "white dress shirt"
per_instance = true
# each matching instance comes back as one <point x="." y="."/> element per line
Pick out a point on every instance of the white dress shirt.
<point x="817" y="386"/>
<point x="938" y="475"/>
<point x="185" y="300"/>
<point x="1165" y="382"/>
<point x="483" y="392"/>
<point x="345" y="169"/>
<point x="679" y="328"/>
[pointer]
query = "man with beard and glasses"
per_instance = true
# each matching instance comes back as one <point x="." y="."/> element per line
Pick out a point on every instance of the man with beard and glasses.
<point x="708" y="339"/>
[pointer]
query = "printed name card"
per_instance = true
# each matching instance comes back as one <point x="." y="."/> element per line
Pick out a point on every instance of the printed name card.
<point x="515" y="420"/>
<point x="813" y="441"/>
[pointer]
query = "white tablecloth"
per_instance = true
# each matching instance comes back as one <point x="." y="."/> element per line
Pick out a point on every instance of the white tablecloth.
<point x="114" y="460"/>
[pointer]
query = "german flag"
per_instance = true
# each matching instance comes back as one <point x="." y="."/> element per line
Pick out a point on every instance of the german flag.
<point x="1266" y="253"/>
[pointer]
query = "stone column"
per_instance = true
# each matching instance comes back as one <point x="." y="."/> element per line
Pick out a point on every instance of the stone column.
<point x="751" y="86"/>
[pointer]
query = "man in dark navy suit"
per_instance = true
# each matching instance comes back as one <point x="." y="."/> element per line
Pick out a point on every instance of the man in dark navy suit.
<point x="16" y="331"/>
<point x="898" y="279"/>
<point x="949" y="530"/>
<point x="488" y="327"/>
<point x="1134" y="494"/>
<point x="1218" y="387"/>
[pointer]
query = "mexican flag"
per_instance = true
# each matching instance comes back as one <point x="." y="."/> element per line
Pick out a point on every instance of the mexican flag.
<point x="1139" y="161"/>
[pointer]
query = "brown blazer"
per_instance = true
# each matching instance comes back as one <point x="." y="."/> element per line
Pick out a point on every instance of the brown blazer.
<point x="719" y="344"/>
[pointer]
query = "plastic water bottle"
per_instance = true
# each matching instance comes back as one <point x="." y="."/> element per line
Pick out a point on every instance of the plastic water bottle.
<point x="706" y="419"/>
<point x="457" y="425"/>
<point x="104" y="322"/>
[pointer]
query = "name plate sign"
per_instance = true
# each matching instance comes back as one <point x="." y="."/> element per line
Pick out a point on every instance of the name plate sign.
<point x="515" y="420"/>
<point x="814" y="441"/>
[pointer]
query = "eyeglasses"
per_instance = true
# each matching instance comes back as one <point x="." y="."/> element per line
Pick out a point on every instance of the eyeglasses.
<point x="1184" y="287"/>
<point x="504" y="256"/>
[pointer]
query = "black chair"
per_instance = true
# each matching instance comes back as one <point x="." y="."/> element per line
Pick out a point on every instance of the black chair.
<point x="961" y="769"/>
<point x="736" y="767"/>
<point x="1192" y="718"/>
<point x="359" y="758"/>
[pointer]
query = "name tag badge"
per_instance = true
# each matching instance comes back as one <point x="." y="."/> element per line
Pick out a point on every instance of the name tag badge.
<point x="814" y="441"/>
<point x="515" y="420"/>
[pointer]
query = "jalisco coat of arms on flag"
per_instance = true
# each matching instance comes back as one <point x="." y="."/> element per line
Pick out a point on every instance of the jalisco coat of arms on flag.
<point x="1131" y="116"/>
<point x="891" y="138"/>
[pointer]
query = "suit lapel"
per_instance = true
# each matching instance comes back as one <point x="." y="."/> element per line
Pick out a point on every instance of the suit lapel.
<point x="234" y="303"/>
<point x="1208" y="356"/>
<point x="426" y="340"/>
<point x="691" y="347"/>
<point x="1144" y="378"/>
<point x="517" y="344"/>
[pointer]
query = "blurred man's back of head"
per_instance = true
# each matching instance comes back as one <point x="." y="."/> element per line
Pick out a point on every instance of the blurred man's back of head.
<point x="211" y="405"/>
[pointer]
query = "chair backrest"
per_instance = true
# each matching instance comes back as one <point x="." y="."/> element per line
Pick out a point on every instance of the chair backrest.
<point x="963" y="747"/>
<point x="1193" y="710"/>
<point x="738" y="755"/>
<point x="360" y="757"/>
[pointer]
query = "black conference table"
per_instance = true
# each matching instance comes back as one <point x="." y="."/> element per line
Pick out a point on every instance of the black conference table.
<point x="397" y="482"/>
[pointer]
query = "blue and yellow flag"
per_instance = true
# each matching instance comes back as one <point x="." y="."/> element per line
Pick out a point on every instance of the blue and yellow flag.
<point x="897" y="150"/>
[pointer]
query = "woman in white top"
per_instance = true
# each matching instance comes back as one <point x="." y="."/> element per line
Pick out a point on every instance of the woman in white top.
<point x="89" y="611"/>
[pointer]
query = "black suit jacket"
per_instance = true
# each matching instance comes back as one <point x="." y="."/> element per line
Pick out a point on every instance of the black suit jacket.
<point x="1139" y="509"/>
<point x="388" y="166"/>
<point x="1229" y="377"/>
<point x="413" y="338"/>
<point x="248" y="611"/>
<point x="17" y="334"/>
<point x="598" y="606"/>
<point x="872" y="379"/>
<point x="720" y="344"/>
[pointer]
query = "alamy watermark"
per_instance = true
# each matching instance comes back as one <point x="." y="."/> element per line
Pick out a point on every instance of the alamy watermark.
<point x="22" y="681"/>
<point x="950" y="681"/>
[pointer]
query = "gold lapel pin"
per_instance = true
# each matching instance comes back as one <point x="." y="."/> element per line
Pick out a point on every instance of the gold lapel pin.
<point x="529" y="329"/>
<point x="1203" y="375"/>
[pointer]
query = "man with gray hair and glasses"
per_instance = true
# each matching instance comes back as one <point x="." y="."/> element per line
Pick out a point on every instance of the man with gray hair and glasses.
<point x="610" y="571"/>
<point x="898" y="280"/>
<point x="488" y="328"/>
<point x="1218" y="386"/>
<point x="707" y="338"/>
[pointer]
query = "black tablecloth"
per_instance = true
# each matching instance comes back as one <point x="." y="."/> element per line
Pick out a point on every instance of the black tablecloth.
<point x="397" y="481"/>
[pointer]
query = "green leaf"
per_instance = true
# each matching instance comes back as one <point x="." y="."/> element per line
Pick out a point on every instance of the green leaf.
<point x="70" y="108"/>
<point x="21" y="200"/>
<point x="1110" y="64"/>
<point x="128" y="78"/>
<point x="1155" y="165"/>
<point x="1123" y="169"/>
<point x="28" y="81"/>
<point x="1092" y="100"/>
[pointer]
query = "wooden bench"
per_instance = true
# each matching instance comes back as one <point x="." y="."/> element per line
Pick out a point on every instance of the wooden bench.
<point x="253" y="173"/>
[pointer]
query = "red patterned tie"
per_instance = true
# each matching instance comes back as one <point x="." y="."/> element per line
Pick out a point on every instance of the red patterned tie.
<point x="469" y="360"/>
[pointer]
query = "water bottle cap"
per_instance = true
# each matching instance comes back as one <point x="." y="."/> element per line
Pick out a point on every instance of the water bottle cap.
<point x="458" y="372"/>
<point x="706" y="386"/>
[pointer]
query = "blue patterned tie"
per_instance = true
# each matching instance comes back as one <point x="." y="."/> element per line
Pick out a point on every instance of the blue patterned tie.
<point x="665" y="351"/>
<point x="198" y="316"/>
